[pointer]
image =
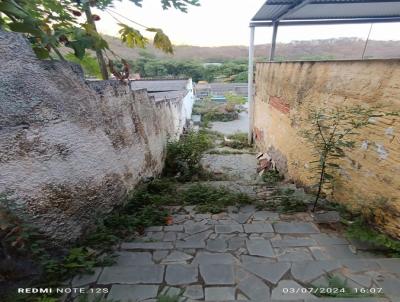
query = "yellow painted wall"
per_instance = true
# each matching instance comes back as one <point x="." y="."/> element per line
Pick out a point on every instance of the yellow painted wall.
<point x="371" y="171"/>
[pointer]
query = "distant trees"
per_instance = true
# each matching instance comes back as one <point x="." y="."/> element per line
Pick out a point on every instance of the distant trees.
<point x="148" y="67"/>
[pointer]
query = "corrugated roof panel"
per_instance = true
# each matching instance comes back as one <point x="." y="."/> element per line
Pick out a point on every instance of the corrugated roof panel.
<point x="328" y="9"/>
<point x="270" y="11"/>
<point x="159" y="85"/>
<point x="348" y="10"/>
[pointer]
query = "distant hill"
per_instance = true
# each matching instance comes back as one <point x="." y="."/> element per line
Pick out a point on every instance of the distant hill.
<point x="345" y="48"/>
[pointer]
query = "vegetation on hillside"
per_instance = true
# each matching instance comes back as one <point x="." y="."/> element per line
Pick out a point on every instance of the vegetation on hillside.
<point x="148" y="66"/>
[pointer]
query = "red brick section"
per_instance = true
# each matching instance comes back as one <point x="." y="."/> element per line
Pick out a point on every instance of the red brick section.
<point x="279" y="104"/>
<point x="258" y="134"/>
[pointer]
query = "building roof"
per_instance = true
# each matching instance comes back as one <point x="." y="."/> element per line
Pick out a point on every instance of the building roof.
<point x="302" y="12"/>
<point x="160" y="85"/>
<point x="168" y="95"/>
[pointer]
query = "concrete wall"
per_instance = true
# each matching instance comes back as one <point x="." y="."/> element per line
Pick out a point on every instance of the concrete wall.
<point x="369" y="173"/>
<point x="70" y="149"/>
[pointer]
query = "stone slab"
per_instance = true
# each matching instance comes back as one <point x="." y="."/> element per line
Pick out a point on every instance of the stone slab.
<point x="299" y="242"/>
<point x="177" y="257"/>
<point x="240" y="217"/>
<point x="228" y="228"/>
<point x="138" y="293"/>
<point x="159" y="255"/>
<point x="182" y="244"/>
<point x="216" y="245"/>
<point x="180" y="274"/>
<point x="194" y="292"/>
<point x="295" y="228"/>
<point x="254" y="288"/>
<point x="174" y="228"/>
<point x="82" y="280"/>
<point x="146" y="246"/>
<point x="258" y="228"/>
<point x="325" y="239"/>
<point x="194" y="228"/>
<point x="295" y="254"/>
<point x="333" y="252"/>
<point x="306" y="271"/>
<point x="246" y="259"/>
<point x="236" y="243"/>
<point x="169" y="236"/>
<point x="271" y="272"/>
<point x="259" y="247"/>
<point x="217" y="274"/>
<point x="135" y="274"/>
<point x="265" y="215"/>
<point x="133" y="258"/>
<point x="219" y="293"/>
<point x="213" y="258"/>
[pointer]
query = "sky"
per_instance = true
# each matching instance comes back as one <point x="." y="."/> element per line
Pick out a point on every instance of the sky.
<point x="226" y="22"/>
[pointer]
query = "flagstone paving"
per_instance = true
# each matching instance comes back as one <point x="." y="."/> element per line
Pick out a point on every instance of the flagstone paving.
<point x="261" y="256"/>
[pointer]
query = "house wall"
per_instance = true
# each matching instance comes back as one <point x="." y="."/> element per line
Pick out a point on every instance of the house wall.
<point x="70" y="149"/>
<point x="369" y="174"/>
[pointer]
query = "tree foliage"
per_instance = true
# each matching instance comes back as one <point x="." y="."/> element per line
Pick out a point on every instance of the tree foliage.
<point x="148" y="66"/>
<point x="49" y="24"/>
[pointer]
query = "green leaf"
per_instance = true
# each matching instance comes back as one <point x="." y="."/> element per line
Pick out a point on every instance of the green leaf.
<point x="12" y="8"/>
<point x="41" y="52"/>
<point x="78" y="47"/>
<point x="161" y="40"/>
<point x="25" y="27"/>
<point x="132" y="37"/>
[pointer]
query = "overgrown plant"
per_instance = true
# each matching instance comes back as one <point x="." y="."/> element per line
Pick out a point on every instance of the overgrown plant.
<point x="330" y="132"/>
<point x="361" y="230"/>
<point x="212" y="199"/>
<point x="49" y="24"/>
<point x="184" y="155"/>
<point x="237" y="141"/>
<point x="272" y="177"/>
<point x="284" y="201"/>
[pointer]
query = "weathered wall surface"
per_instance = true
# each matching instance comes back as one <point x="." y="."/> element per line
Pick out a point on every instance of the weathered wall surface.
<point x="370" y="172"/>
<point x="70" y="149"/>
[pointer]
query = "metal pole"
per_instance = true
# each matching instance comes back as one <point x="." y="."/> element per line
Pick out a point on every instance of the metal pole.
<point x="273" y="44"/>
<point x="366" y="42"/>
<point x="250" y="84"/>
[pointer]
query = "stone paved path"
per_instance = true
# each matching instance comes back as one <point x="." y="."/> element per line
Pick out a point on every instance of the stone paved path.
<point x="240" y="255"/>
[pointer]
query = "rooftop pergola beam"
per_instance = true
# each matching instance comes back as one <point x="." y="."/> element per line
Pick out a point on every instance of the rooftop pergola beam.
<point x="325" y="22"/>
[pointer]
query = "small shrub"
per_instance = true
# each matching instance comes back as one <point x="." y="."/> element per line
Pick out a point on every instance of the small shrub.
<point x="272" y="177"/>
<point x="183" y="156"/>
<point x="237" y="141"/>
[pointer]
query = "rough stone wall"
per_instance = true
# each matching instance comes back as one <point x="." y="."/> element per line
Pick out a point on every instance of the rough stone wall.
<point x="369" y="173"/>
<point x="70" y="149"/>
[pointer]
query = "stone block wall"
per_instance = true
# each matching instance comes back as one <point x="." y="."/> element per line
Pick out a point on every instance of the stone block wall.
<point x="369" y="174"/>
<point x="70" y="149"/>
